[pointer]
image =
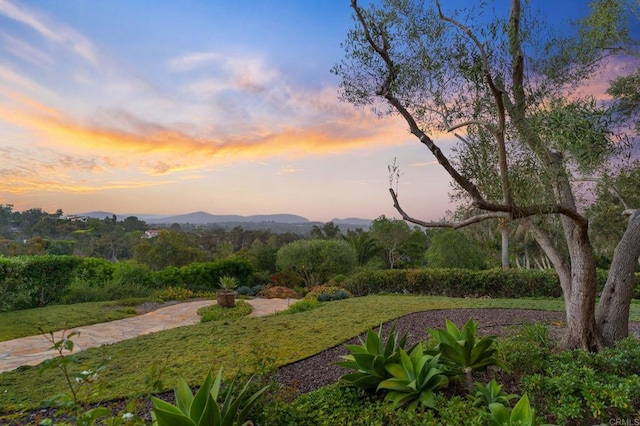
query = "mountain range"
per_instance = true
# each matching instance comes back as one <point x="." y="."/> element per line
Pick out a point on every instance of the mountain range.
<point x="203" y="218"/>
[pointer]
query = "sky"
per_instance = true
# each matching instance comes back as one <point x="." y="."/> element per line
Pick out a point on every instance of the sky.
<point x="171" y="107"/>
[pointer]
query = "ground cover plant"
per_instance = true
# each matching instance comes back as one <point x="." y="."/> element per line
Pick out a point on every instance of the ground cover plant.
<point x="291" y="337"/>
<point x="228" y="344"/>
<point x="31" y="322"/>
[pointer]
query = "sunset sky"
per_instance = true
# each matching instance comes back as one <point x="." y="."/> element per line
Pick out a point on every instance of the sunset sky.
<point x="170" y="107"/>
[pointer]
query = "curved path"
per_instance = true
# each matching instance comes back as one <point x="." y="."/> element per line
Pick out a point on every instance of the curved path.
<point x="35" y="349"/>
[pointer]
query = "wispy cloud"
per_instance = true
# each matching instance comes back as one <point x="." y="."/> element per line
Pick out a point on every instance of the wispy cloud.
<point x="54" y="32"/>
<point x="287" y="170"/>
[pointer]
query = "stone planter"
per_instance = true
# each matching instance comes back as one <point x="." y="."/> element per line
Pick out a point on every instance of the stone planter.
<point x="226" y="298"/>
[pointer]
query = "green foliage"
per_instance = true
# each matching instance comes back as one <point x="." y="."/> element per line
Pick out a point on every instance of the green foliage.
<point x="31" y="281"/>
<point x="364" y="245"/>
<point x="521" y="415"/>
<point x="168" y="248"/>
<point x="316" y="260"/>
<point x="495" y="283"/>
<point x="452" y="249"/>
<point x="172" y="293"/>
<point x="81" y="385"/>
<point x="219" y="313"/>
<point x="399" y="246"/>
<point x="205" y="276"/>
<point x="302" y="306"/>
<point x="202" y="408"/>
<point x="491" y="393"/>
<point x="415" y="377"/>
<point x="328" y="292"/>
<point x="525" y="349"/>
<point x="371" y="357"/>
<point x="339" y="405"/>
<point x="324" y="297"/>
<point x="463" y="352"/>
<point x="227" y="282"/>
<point x="132" y="273"/>
<point x="589" y="388"/>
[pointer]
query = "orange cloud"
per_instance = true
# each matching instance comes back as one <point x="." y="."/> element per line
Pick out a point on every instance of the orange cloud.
<point x="165" y="150"/>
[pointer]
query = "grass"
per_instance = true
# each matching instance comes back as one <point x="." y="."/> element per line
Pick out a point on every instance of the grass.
<point x="188" y="352"/>
<point x="31" y="322"/>
<point x="219" y="313"/>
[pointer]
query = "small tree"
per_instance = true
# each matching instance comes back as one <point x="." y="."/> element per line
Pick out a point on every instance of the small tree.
<point x="316" y="261"/>
<point x="452" y="249"/>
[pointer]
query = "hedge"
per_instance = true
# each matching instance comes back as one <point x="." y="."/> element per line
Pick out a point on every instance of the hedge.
<point x="204" y="276"/>
<point x="34" y="281"/>
<point x="497" y="283"/>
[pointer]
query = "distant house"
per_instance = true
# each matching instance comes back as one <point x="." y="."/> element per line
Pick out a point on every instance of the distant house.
<point x="151" y="233"/>
<point x="75" y="218"/>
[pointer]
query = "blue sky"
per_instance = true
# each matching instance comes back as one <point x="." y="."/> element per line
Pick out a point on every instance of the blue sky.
<point x="177" y="106"/>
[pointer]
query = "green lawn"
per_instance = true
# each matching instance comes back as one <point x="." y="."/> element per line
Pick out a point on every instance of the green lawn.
<point x="30" y="322"/>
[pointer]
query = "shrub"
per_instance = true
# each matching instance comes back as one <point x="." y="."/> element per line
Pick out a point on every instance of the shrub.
<point x="588" y="388"/>
<point x="316" y="260"/>
<point x="324" y="297"/>
<point x="452" y="249"/>
<point x="172" y="293"/>
<point x="456" y="283"/>
<point x="34" y="281"/>
<point x="245" y="291"/>
<point x="133" y="274"/>
<point x="333" y="292"/>
<point x="338" y="405"/>
<point x="204" y="276"/>
<point x="278" y="292"/>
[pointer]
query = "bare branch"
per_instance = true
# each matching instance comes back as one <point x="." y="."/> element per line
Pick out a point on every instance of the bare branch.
<point x="454" y="225"/>
<point x="490" y="127"/>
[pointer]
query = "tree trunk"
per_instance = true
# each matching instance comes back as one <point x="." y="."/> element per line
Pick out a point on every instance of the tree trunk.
<point x="612" y="317"/>
<point x="580" y="301"/>
<point x="504" y="234"/>
<point x="578" y="282"/>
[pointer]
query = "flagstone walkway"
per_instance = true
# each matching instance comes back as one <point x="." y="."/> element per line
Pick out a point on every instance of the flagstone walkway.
<point x="35" y="349"/>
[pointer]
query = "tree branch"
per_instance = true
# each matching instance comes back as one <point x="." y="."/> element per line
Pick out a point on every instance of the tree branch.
<point x="498" y="99"/>
<point x="454" y="225"/>
<point x="490" y="127"/>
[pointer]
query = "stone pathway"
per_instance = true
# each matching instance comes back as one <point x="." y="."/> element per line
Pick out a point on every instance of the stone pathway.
<point x="35" y="349"/>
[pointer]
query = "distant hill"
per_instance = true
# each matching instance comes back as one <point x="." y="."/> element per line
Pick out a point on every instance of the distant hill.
<point x="366" y="223"/>
<point x="200" y="218"/>
<point x="204" y="218"/>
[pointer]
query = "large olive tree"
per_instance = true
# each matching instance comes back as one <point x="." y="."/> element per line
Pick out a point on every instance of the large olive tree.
<point x="511" y="82"/>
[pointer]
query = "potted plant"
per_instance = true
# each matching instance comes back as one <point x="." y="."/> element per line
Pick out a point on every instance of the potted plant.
<point x="226" y="296"/>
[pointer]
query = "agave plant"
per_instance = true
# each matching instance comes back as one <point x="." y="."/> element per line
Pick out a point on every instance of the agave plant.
<point x="414" y="379"/>
<point x="203" y="407"/>
<point x="491" y="393"/>
<point x="370" y="358"/>
<point x="521" y="415"/>
<point x="463" y="352"/>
